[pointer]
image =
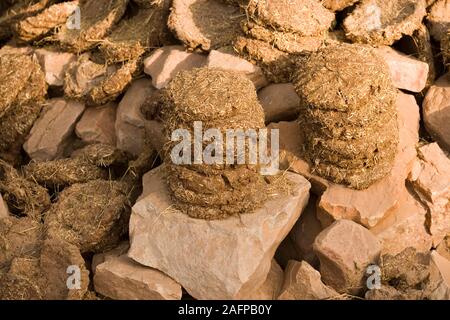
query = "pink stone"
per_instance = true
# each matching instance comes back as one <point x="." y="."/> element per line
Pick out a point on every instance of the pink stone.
<point x="130" y="122"/>
<point x="121" y="278"/>
<point x="431" y="181"/>
<point x="404" y="227"/>
<point x="54" y="64"/>
<point x="97" y="124"/>
<point x="303" y="282"/>
<point x="227" y="59"/>
<point x="167" y="61"/>
<point x="436" y="111"/>
<point x="345" y="250"/>
<point x="53" y="130"/>
<point x="280" y="102"/>
<point x="406" y="72"/>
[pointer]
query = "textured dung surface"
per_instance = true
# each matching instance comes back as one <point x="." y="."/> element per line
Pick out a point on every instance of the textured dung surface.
<point x="204" y="24"/>
<point x="309" y="18"/>
<point x="381" y="22"/>
<point x="93" y="216"/>
<point x="222" y="100"/>
<point x="98" y="18"/>
<point x="35" y="27"/>
<point x="348" y="114"/>
<point x="23" y="196"/>
<point x="19" y="10"/>
<point x="277" y="65"/>
<point x="140" y="33"/>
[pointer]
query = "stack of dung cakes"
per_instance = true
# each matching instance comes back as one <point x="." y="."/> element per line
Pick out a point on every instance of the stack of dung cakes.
<point x="348" y="114"/>
<point x="220" y="100"/>
<point x="275" y="29"/>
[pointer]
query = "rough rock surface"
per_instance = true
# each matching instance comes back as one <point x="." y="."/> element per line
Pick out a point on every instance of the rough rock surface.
<point x="406" y="72"/>
<point x="439" y="277"/>
<point x="305" y="231"/>
<point x="166" y="62"/>
<point x="54" y="64"/>
<point x="280" y="102"/>
<point x="270" y="289"/>
<point x="436" y="111"/>
<point x="303" y="282"/>
<point x="404" y="227"/>
<point x="225" y="58"/>
<point x="97" y="124"/>
<point x="431" y="181"/>
<point x="51" y="132"/>
<point x="130" y="122"/>
<point x="343" y="266"/>
<point x="223" y="273"/>
<point x="121" y="278"/>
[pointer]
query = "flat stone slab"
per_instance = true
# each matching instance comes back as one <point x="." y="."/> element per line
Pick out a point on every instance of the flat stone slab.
<point x="221" y="259"/>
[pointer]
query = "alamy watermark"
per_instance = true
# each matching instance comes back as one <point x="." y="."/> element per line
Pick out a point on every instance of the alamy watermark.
<point x="231" y="146"/>
<point x="74" y="20"/>
<point x="373" y="281"/>
<point x="73" y="281"/>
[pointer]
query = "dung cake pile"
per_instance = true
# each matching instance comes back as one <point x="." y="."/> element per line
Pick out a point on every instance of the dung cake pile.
<point x="18" y="10"/>
<point x="139" y="33"/>
<point x="35" y="27"/>
<point x="221" y="100"/>
<point x="205" y="24"/>
<point x="96" y="21"/>
<point x="348" y="114"/>
<point x="274" y="30"/>
<point x="22" y="93"/>
<point x="380" y="22"/>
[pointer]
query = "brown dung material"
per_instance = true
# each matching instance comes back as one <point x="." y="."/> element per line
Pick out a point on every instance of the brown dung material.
<point x="35" y="27"/>
<point x="287" y="42"/>
<point x="205" y="24"/>
<point x="63" y="172"/>
<point x="304" y="17"/>
<point x="223" y="100"/>
<point x="348" y="114"/>
<point x="83" y="75"/>
<point x="445" y="48"/>
<point x="56" y="256"/>
<point x="22" y="92"/>
<point x="380" y="22"/>
<point x="111" y="87"/>
<point x="138" y="34"/>
<point x="277" y="65"/>
<point x="18" y="288"/>
<point x="19" y="10"/>
<point x="98" y="18"/>
<point x="23" y="196"/>
<point x="101" y="155"/>
<point x="45" y="276"/>
<point x="408" y="269"/>
<point x="93" y="215"/>
<point x="26" y="84"/>
<point x="19" y="238"/>
<point x="345" y="78"/>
